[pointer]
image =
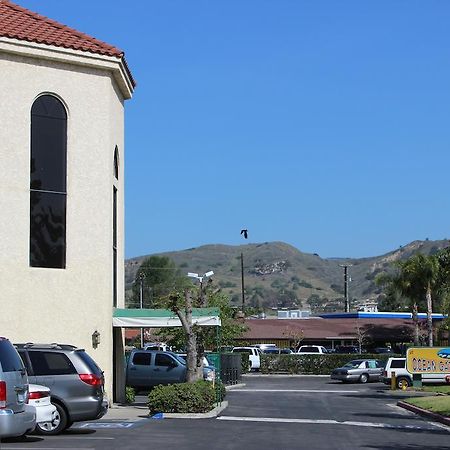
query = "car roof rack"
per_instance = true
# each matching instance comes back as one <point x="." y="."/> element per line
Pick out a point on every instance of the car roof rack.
<point x="53" y="345"/>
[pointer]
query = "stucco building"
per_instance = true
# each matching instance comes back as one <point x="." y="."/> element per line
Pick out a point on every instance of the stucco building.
<point x="62" y="186"/>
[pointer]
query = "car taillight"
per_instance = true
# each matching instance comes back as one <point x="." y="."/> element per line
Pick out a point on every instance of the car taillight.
<point x="2" y="394"/>
<point x="91" y="379"/>
<point x="385" y="374"/>
<point x="37" y="395"/>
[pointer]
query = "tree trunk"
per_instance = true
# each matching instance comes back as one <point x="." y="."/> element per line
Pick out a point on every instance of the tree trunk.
<point x="429" y="316"/>
<point x="191" y="344"/>
<point x="415" y="319"/>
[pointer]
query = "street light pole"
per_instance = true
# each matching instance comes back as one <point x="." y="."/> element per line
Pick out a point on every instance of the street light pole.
<point x="200" y="278"/>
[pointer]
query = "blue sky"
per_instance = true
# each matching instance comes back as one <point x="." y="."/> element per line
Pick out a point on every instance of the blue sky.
<point x="323" y="124"/>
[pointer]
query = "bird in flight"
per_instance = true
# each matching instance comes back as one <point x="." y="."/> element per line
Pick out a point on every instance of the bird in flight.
<point x="245" y="233"/>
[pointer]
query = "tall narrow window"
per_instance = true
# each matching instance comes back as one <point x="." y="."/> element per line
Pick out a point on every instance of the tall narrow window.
<point x="48" y="183"/>
<point x="116" y="163"/>
<point x="114" y="246"/>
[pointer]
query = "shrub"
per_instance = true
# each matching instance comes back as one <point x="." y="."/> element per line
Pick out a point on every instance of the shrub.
<point x="198" y="397"/>
<point x="311" y="364"/>
<point x="130" y="395"/>
<point x="245" y="362"/>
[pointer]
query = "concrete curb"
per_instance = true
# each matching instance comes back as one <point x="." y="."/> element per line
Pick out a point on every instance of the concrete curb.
<point x="208" y="415"/>
<point x="423" y="412"/>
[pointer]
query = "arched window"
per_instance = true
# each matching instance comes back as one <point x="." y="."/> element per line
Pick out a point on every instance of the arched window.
<point x="116" y="163"/>
<point x="48" y="183"/>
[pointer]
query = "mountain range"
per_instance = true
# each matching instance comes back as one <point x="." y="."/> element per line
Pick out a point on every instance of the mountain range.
<point x="277" y="274"/>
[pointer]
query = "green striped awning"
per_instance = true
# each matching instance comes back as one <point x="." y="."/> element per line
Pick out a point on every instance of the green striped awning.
<point x="159" y="318"/>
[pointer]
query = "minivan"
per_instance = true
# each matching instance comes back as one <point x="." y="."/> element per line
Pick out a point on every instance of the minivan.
<point x="16" y="417"/>
<point x="75" y="381"/>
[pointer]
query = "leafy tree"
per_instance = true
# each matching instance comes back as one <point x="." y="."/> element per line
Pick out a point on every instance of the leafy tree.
<point x="158" y="276"/>
<point x="195" y="338"/>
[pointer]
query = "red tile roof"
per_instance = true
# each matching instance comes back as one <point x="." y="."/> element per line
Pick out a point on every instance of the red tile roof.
<point x="319" y="329"/>
<point x="20" y="23"/>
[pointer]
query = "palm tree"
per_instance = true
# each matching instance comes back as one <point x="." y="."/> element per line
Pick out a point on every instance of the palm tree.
<point x="417" y="279"/>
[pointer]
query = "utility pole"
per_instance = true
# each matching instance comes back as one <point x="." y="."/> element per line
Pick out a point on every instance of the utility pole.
<point x="346" y="280"/>
<point x="242" y="282"/>
<point x="141" y="301"/>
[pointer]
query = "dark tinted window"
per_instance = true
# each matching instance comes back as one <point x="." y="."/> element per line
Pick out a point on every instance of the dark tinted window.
<point x="48" y="183"/>
<point x="48" y="144"/>
<point x="47" y="229"/>
<point x="51" y="363"/>
<point x="242" y="350"/>
<point x="142" y="359"/>
<point x="9" y="359"/>
<point x="90" y="363"/>
<point x="116" y="163"/>
<point x="164" y="360"/>
<point x="398" y="364"/>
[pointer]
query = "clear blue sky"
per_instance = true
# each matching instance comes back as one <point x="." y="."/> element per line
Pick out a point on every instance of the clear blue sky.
<point x="323" y="124"/>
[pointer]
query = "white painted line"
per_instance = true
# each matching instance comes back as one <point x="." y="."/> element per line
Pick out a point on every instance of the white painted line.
<point x="314" y="391"/>
<point x="322" y="422"/>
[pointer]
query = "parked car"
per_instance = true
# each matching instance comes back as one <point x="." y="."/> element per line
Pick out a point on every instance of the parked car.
<point x="149" y="368"/>
<point x="16" y="416"/>
<point x="39" y="397"/>
<point x="404" y="378"/>
<point x="206" y="361"/>
<point x="254" y="355"/>
<point x="346" y="349"/>
<point x="380" y="350"/>
<point x="75" y="380"/>
<point x="311" y="350"/>
<point x="359" y="370"/>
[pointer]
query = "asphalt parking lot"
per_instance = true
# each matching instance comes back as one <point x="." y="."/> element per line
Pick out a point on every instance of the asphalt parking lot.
<point x="268" y="412"/>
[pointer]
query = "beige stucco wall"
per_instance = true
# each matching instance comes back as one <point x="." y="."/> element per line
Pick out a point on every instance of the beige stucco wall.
<point x="62" y="305"/>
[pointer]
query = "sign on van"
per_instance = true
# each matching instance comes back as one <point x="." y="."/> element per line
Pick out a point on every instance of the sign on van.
<point x="433" y="360"/>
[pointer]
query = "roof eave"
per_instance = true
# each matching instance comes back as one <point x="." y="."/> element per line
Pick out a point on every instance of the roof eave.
<point x="117" y="65"/>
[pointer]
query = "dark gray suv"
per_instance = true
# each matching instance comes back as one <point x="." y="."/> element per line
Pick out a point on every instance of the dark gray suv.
<point x="76" y="382"/>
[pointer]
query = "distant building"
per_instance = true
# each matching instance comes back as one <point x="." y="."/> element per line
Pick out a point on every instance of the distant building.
<point x="293" y="314"/>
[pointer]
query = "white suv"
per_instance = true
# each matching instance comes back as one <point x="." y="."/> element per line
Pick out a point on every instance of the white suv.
<point x="404" y="378"/>
<point x="254" y="356"/>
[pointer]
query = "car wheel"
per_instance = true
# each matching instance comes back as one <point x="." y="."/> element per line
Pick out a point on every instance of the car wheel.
<point x="403" y="382"/>
<point x="364" y="378"/>
<point x="57" y="425"/>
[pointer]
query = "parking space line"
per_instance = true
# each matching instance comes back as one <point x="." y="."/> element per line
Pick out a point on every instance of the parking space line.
<point x="325" y="422"/>
<point x="314" y="391"/>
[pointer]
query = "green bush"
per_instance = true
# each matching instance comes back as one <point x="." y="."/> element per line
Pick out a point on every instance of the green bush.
<point x="130" y="394"/>
<point x="198" y="397"/>
<point x="245" y="362"/>
<point x="311" y="364"/>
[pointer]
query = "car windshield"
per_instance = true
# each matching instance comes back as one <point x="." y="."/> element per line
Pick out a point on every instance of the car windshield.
<point x="353" y="364"/>
<point x="179" y="358"/>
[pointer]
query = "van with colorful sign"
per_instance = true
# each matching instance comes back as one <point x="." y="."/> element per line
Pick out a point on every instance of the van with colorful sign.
<point x="428" y="360"/>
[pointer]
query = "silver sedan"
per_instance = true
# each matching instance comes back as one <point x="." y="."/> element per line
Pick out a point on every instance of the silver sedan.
<point x="359" y="370"/>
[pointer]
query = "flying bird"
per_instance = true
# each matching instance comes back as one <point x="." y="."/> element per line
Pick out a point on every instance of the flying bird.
<point x="245" y="233"/>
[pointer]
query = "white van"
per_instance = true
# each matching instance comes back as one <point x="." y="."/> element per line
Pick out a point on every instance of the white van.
<point x="404" y="378"/>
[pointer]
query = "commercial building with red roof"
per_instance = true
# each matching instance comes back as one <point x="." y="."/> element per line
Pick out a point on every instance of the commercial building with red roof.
<point x="62" y="188"/>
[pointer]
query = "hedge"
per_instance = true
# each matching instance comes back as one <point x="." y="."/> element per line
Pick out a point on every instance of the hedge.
<point x="198" y="397"/>
<point x="312" y="364"/>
